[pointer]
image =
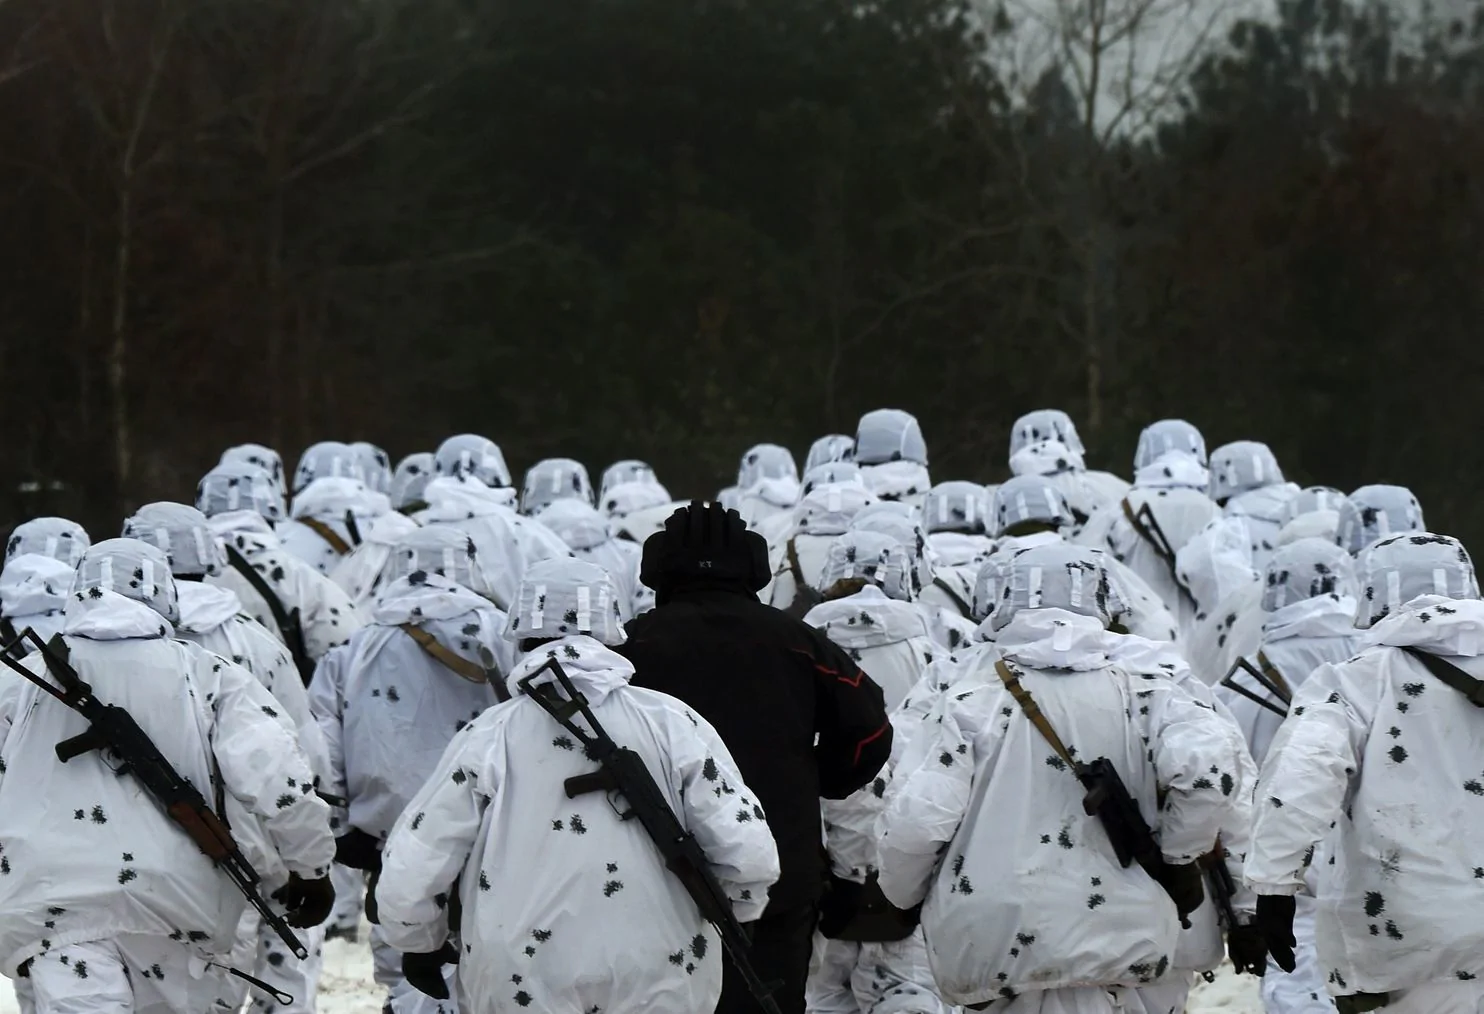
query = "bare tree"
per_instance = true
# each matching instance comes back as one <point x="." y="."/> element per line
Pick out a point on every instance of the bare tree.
<point x="1123" y="65"/>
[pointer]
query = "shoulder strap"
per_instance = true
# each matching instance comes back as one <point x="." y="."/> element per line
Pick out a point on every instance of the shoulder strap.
<point x="943" y="586"/>
<point x="9" y="636"/>
<point x="794" y="566"/>
<point x="1450" y="674"/>
<point x="1271" y="672"/>
<point x="1142" y="521"/>
<point x="324" y="531"/>
<point x="1135" y="519"/>
<point x="459" y="665"/>
<point x="249" y="573"/>
<point x="1034" y="713"/>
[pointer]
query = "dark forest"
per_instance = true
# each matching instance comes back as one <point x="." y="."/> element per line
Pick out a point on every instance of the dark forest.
<point x="670" y="229"/>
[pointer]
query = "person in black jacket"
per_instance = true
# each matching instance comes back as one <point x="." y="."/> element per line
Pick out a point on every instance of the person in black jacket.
<point x="800" y="718"/>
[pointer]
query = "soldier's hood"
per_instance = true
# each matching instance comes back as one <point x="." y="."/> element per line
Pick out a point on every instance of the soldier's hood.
<point x="1435" y="624"/>
<point x="32" y="584"/>
<point x="868" y="619"/>
<point x="594" y="668"/>
<point x="205" y="607"/>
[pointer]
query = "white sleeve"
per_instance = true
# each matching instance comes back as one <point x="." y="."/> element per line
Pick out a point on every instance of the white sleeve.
<point x="11" y="687"/>
<point x="432" y="841"/>
<point x="258" y="756"/>
<point x="1305" y="779"/>
<point x="328" y="616"/>
<point x="326" y="697"/>
<point x="276" y="670"/>
<point x="1197" y="764"/>
<point x="727" y="822"/>
<point x="1236" y="833"/>
<point x="923" y="808"/>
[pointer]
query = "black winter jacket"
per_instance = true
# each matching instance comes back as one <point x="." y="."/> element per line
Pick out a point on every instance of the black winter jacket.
<point x="800" y="718"/>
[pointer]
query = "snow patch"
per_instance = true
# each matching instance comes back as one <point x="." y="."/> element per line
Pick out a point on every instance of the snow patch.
<point x="347" y="986"/>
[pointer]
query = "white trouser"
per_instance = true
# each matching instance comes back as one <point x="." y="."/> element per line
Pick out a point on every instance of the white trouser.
<point x="1438" y="998"/>
<point x="25" y="1000"/>
<point x="403" y="998"/>
<point x="1081" y="1000"/>
<point x="871" y="978"/>
<point x="1301" y="991"/>
<point x="127" y="975"/>
<point x="350" y="898"/>
<point x="259" y="952"/>
<point x="1171" y="996"/>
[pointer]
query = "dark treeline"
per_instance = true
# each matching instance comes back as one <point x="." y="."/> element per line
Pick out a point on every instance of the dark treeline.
<point x="673" y="228"/>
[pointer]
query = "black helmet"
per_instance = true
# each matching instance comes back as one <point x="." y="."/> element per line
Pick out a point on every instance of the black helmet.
<point x="705" y="542"/>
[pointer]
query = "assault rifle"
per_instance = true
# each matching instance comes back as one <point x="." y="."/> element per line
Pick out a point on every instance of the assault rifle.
<point x="113" y="729"/>
<point x="1267" y="678"/>
<point x="623" y="773"/>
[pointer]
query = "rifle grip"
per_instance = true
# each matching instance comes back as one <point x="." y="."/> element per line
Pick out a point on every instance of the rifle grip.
<point x="79" y="745"/>
<point x="581" y="785"/>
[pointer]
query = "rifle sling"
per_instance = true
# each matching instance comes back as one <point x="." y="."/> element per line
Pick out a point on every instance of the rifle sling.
<point x="260" y="585"/>
<point x="794" y="567"/>
<point x="1451" y="674"/>
<point x="943" y="586"/>
<point x="1161" y="546"/>
<point x="9" y="636"/>
<point x="460" y="666"/>
<point x="1271" y="672"/>
<point x="1034" y="713"/>
<point x="324" y="531"/>
<point x="1138" y="526"/>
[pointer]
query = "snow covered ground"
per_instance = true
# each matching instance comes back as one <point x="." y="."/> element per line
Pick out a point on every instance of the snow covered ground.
<point x="347" y="987"/>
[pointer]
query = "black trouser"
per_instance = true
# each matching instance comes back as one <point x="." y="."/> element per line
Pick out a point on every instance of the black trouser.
<point x="782" y="945"/>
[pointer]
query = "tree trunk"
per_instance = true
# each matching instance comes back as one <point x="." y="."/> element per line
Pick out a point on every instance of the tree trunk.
<point x="118" y="351"/>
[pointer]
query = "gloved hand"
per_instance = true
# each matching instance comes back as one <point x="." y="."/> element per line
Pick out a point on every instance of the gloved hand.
<point x="1186" y="886"/>
<point x="308" y="901"/>
<point x="358" y="850"/>
<point x="1275" y="921"/>
<point x="1248" y="949"/>
<point x="424" y="972"/>
<point x="373" y="912"/>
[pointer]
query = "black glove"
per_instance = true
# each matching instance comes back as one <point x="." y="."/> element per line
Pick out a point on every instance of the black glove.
<point x="424" y="972"/>
<point x="308" y="901"/>
<point x="1275" y="922"/>
<point x="373" y="911"/>
<point x="358" y="850"/>
<point x="1248" y="949"/>
<point x="1186" y="887"/>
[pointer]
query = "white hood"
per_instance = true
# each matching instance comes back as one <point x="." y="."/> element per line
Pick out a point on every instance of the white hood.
<point x="330" y="499"/>
<point x="1434" y="624"/>
<point x="205" y="607"/>
<point x="780" y="491"/>
<point x="1174" y="470"/>
<point x="1054" y="639"/>
<point x="455" y="498"/>
<point x="868" y="619"/>
<point x="233" y="522"/>
<point x="34" y="585"/>
<point x="594" y="668"/>
<point x="1048" y="457"/>
<point x="104" y="615"/>
<point x="1322" y="616"/>
<point x="897" y="480"/>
